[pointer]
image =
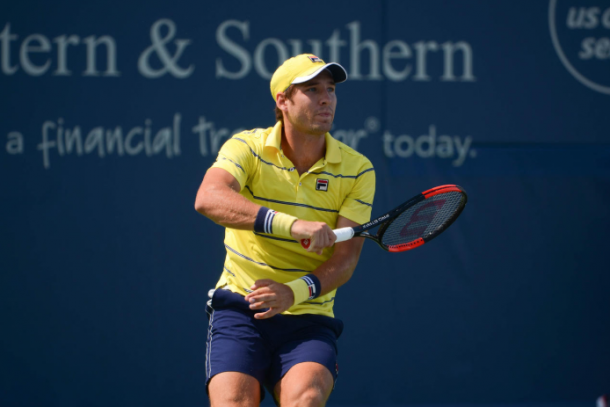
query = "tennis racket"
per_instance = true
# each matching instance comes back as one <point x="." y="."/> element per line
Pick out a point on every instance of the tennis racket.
<point x="412" y="224"/>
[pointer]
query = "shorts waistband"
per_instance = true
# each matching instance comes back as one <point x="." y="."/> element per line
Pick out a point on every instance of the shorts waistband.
<point x="223" y="298"/>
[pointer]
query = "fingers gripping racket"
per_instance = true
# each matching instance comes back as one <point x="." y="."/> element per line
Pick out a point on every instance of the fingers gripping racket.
<point x="412" y="224"/>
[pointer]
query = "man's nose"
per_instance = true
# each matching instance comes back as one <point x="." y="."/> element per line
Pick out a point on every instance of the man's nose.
<point x="325" y="99"/>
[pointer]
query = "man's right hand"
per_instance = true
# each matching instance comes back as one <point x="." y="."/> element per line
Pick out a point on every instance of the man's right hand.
<point x="319" y="234"/>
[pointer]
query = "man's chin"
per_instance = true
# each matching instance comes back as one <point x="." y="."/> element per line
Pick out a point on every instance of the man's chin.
<point x="322" y="128"/>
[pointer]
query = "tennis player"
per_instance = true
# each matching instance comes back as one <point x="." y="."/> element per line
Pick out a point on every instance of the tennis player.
<point x="271" y="321"/>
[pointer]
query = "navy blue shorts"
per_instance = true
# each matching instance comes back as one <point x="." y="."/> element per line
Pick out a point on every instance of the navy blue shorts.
<point x="266" y="349"/>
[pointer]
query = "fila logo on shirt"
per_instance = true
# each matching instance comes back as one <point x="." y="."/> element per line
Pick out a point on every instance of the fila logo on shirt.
<point x="321" y="184"/>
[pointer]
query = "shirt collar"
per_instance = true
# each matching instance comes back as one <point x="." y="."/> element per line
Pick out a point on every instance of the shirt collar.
<point x="275" y="137"/>
<point x="333" y="151"/>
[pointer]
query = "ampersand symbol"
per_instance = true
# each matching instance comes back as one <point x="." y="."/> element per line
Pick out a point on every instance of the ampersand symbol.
<point x="170" y="63"/>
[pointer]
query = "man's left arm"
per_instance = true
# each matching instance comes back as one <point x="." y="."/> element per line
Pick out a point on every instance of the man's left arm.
<point x="333" y="273"/>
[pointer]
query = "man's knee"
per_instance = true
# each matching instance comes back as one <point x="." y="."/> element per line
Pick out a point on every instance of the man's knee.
<point x="232" y="389"/>
<point x="232" y="400"/>
<point x="236" y="400"/>
<point x="311" y="397"/>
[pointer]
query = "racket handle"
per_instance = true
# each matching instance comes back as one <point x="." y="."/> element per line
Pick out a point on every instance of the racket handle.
<point x="342" y="234"/>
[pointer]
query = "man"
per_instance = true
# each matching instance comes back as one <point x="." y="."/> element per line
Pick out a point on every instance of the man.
<point x="271" y="318"/>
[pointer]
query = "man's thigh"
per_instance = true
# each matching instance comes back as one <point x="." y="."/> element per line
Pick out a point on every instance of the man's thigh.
<point x="309" y="338"/>
<point x="304" y="367"/>
<point x="233" y="389"/>
<point x="234" y="345"/>
<point x="305" y="384"/>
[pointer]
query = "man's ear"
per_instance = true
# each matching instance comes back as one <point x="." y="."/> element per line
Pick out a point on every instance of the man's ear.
<point x="281" y="101"/>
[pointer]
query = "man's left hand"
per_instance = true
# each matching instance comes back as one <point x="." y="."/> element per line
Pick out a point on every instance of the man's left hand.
<point x="270" y="294"/>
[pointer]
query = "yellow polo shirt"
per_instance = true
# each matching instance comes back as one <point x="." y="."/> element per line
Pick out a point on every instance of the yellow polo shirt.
<point x="341" y="183"/>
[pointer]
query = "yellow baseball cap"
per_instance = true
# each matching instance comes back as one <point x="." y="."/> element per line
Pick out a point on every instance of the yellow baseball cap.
<point x="302" y="68"/>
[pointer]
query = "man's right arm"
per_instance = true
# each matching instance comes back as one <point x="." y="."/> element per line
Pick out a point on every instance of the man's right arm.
<point x="219" y="199"/>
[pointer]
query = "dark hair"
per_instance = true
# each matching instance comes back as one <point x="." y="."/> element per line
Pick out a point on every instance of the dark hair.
<point x="279" y="115"/>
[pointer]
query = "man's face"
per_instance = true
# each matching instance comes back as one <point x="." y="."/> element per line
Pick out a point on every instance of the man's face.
<point x="311" y="109"/>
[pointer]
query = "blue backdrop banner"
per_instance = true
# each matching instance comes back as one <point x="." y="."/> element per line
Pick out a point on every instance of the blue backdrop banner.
<point x="112" y="111"/>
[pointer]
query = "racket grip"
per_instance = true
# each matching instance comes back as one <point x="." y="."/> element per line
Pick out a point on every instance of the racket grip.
<point x="342" y="234"/>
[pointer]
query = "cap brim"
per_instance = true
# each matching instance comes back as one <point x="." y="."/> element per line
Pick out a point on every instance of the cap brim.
<point x="337" y="71"/>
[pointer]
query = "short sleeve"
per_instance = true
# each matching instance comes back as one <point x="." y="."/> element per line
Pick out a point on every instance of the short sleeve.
<point x="358" y="204"/>
<point x="236" y="157"/>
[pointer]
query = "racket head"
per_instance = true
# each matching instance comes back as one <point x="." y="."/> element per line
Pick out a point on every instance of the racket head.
<point x="423" y="218"/>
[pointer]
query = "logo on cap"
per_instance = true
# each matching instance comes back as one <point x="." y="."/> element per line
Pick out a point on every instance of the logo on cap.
<point x="314" y="58"/>
<point x="321" y="184"/>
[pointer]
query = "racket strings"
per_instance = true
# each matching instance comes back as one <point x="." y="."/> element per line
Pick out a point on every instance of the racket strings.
<point x="423" y="220"/>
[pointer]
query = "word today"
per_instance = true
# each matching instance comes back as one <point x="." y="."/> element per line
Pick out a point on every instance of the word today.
<point x="429" y="146"/>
